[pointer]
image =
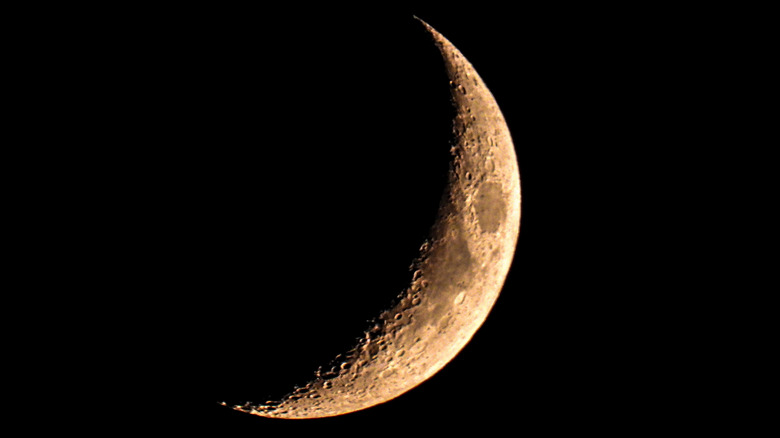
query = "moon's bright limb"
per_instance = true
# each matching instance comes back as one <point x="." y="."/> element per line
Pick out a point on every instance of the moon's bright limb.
<point x="459" y="274"/>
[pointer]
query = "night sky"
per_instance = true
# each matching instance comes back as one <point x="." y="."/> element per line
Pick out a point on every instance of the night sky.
<point x="266" y="177"/>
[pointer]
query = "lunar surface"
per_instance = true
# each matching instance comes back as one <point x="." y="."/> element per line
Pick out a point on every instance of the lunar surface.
<point x="457" y="277"/>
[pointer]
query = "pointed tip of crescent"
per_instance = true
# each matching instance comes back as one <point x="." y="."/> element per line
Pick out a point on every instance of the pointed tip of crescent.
<point x="428" y="27"/>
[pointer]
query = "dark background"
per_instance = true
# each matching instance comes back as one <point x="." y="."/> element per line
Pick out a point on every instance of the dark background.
<point x="245" y="189"/>
<point x="334" y="182"/>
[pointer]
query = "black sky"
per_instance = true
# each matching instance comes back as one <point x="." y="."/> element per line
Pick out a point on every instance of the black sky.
<point x="265" y="178"/>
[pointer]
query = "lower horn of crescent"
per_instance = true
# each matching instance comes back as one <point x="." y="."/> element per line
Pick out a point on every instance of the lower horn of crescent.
<point x="459" y="273"/>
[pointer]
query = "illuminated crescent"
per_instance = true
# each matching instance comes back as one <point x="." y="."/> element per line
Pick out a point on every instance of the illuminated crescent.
<point x="459" y="273"/>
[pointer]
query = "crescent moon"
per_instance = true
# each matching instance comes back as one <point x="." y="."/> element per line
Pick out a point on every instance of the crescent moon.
<point x="458" y="276"/>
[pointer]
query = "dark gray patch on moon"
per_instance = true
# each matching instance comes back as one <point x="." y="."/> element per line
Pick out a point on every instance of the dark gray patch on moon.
<point x="459" y="257"/>
<point x="490" y="208"/>
<point x="452" y="260"/>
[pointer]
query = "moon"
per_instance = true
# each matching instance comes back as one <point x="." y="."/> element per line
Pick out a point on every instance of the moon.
<point x="457" y="277"/>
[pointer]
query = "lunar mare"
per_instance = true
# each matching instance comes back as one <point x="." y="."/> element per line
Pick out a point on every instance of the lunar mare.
<point x="457" y="277"/>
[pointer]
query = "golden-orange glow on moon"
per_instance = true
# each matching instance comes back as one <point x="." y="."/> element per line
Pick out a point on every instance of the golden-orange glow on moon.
<point x="459" y="273"/>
